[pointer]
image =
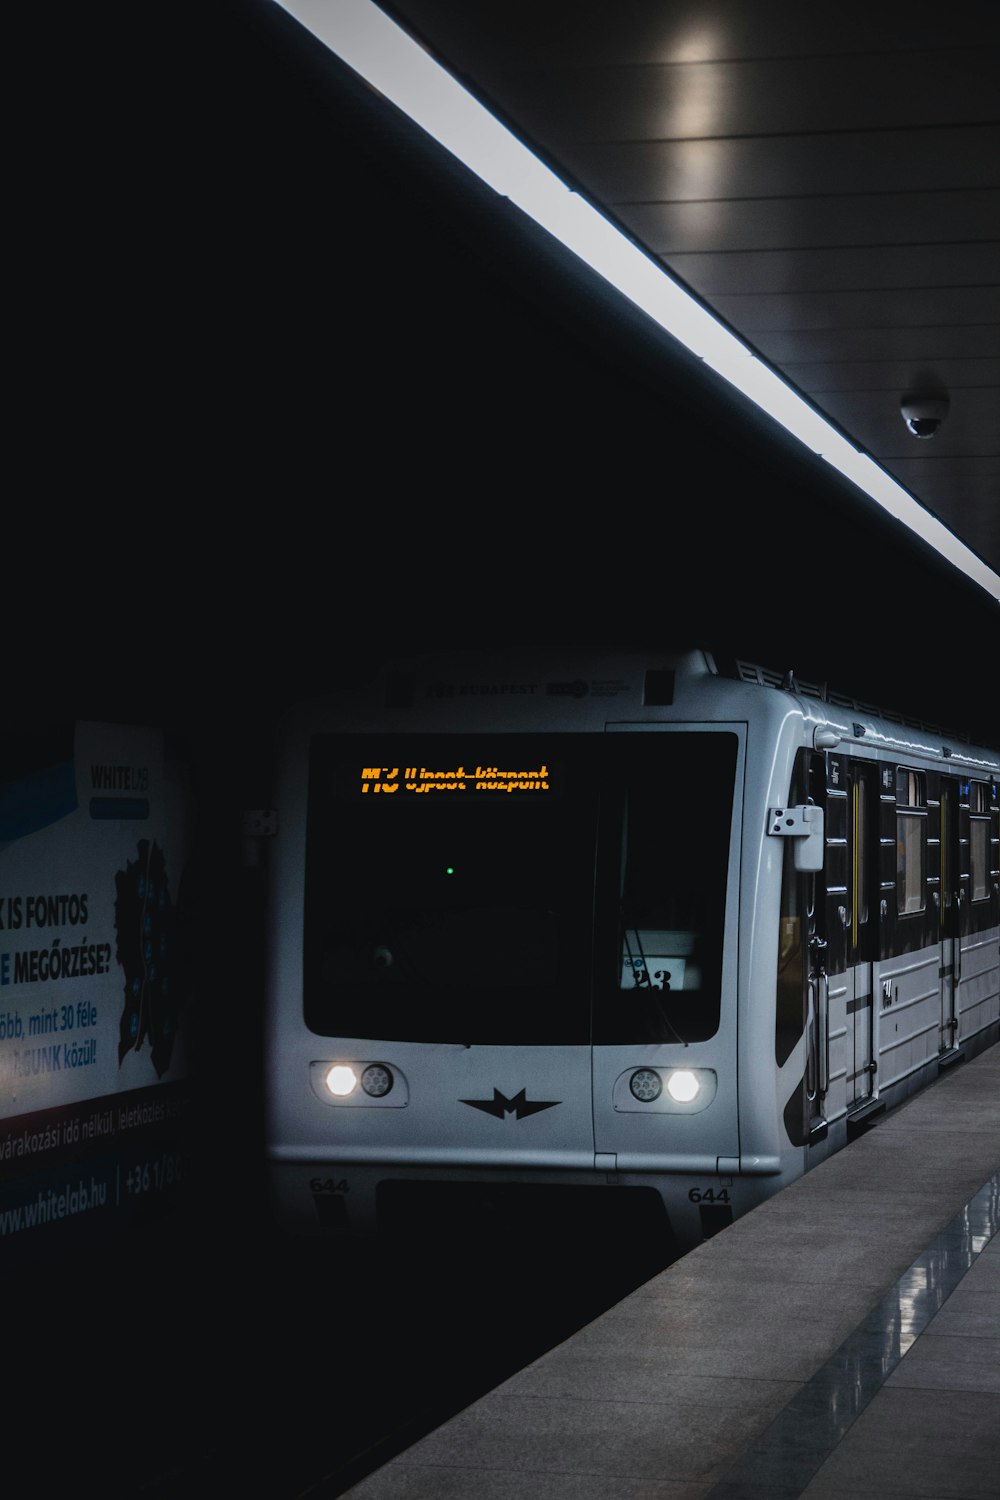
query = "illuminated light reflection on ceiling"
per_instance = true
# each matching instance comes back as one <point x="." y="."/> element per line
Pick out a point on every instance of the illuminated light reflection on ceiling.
<point x="370" y="43"/>
<point x="700" y="43"/>
<point x="690" y="107"/>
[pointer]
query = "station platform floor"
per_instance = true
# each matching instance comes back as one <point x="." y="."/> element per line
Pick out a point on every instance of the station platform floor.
<point x="842" y="1340"/>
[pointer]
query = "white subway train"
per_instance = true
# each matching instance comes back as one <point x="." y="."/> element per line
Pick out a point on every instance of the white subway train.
<point x="558" y="925"/>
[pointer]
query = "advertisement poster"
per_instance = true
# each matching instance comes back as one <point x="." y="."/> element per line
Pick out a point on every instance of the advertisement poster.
<point x="95" y="981"/>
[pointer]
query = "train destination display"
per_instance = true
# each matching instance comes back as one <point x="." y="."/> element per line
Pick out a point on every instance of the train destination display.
<point x="456" y="779"/>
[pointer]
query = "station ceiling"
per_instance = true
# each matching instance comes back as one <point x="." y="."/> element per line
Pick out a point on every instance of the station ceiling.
<point x="824" y="178"/>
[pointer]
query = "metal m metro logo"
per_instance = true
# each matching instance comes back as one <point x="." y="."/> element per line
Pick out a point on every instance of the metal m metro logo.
<point x="500" y="1105"/>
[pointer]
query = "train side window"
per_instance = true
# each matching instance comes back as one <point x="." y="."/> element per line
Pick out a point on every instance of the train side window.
<point x="979" y="840"/>
<point x="911" y="840"/>
<point x="838" y="885"/>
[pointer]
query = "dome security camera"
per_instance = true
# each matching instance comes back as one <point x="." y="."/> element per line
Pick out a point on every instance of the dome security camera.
<point x="923" y="415"/>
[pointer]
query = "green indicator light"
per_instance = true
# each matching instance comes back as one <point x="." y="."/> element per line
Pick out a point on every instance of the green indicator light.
<point x="449" y="869"/>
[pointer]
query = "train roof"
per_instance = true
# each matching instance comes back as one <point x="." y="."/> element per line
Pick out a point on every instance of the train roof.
<point x="662" y="674"/>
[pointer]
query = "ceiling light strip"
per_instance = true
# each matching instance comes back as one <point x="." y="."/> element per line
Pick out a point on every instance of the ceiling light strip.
<point x="375" y="47"/>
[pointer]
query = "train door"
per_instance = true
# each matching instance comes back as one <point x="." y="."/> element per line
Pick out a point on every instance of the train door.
<point x="861" y="930"/>
<point x="842" y="976"/>
<point x="948" y="913"/>
<point x="803" y="987"/>
<point x="666" y="939"/>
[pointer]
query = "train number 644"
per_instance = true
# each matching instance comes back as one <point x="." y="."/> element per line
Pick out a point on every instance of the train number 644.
<point x="709" y="1195"/>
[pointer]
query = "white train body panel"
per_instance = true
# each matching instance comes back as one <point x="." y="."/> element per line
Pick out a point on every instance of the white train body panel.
<point x="683" y="871"/>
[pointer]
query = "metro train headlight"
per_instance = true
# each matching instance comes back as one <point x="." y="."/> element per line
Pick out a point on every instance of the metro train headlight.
<point x="645" y="1085"/>
<point x="341" y="1080"/>
<point x="665" y="1090"/>
<point x="359" y="1083"/>
<point x="683" y="1085"/>
<point x="376" y="1080"/>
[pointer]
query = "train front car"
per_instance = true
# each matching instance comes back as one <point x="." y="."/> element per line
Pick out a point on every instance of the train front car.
<point x="541" y="928"/>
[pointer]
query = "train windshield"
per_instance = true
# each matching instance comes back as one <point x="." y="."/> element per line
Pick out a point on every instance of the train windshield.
<point x="558" y="889"/>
